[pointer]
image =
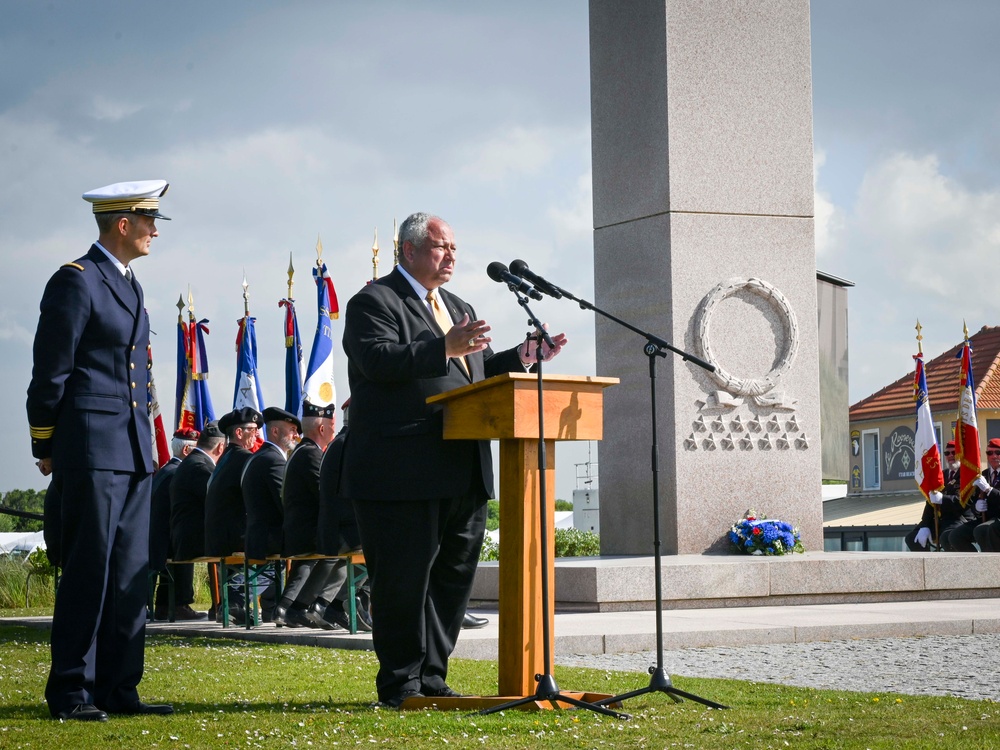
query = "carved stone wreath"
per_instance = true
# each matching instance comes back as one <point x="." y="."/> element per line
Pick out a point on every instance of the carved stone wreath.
<point x="747" y="387"/>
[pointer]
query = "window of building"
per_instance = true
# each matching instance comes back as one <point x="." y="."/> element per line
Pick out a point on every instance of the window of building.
<point x="870" y="463"/>
<point x="992" y="429"/>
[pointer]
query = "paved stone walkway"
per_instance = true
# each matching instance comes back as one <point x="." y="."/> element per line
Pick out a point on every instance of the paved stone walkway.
<point x="965" y="666"/>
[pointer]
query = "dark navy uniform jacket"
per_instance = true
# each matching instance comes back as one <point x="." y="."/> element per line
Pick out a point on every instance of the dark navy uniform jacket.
<point x="88" y="385"/>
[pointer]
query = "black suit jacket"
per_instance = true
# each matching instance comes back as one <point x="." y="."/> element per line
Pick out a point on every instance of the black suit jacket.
<point x="395" y="449"/>
<point x="159" y="515"/>
<point x="300" y="498"/>
<point x="338" y="528"/>
<point x="225" y="513"/>
<point x="187" y="505"/>
<point x="261" y="484"/>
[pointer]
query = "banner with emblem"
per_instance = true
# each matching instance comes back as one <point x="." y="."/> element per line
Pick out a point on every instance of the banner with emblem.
<point x="967" y="428"/>
<point x="194" y="403"/>
<point x="928" y="472"/>
<point x="248" y="391"/>
<point x="319" y="386"/>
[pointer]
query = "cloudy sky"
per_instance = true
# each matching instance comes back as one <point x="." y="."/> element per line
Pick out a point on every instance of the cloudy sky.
<point x="277" y="124"/>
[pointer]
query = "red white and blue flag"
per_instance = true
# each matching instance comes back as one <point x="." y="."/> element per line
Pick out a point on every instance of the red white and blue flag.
<point x="928" y="472"/>
<point x="967" y="429"/>
<point x="319" y="387"/>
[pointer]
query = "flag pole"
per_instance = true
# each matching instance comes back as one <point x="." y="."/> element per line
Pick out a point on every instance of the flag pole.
<point x="375" y="256"/>
<point x="291" y="273"/>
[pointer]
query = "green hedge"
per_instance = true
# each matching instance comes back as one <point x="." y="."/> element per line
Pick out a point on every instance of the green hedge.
<point x="569" y="543"/>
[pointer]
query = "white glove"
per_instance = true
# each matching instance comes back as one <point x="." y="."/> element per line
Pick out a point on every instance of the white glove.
<point x="923" y="536"/>
<point x="981" y="505"/>
<point x="982" y="484"/>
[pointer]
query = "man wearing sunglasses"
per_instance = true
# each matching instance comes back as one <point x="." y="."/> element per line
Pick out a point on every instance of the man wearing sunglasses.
<point x="945" y="505"/>
<point x="961" y="537"/>
<point x="987" y="533"/>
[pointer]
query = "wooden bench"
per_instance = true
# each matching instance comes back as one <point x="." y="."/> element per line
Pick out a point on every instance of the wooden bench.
<point x="253" y="569"/>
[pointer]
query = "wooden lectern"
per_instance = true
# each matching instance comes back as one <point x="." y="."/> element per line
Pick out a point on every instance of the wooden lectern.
<point x="505" y="408"/>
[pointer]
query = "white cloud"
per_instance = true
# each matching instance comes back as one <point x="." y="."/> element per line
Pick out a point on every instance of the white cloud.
<point x="515" y="151"/>
<point x="932" y="232"/>
<point x="109" y="110"/>
<point x="829" y="220"/>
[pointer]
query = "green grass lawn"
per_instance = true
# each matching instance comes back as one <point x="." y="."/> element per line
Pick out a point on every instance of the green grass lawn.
<point x="232" y="694"/>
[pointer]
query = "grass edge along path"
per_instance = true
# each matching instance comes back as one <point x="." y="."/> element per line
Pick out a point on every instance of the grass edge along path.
<point x="254" y="695"/>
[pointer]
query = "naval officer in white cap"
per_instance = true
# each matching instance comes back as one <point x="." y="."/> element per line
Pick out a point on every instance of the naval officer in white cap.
<point x="89" y="425"/>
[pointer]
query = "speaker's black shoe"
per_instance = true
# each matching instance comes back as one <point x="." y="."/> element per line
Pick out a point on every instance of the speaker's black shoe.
<point x="471" y="622"/>
<point x="144" y="709"/>
<point x="395" y="701"/>
<point x="82" y="712"/>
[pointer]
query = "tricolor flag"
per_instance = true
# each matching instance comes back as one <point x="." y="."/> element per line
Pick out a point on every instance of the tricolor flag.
<point x="293" y="359"/>
<point x="967" y="429"/>
<point x="160" y="445"/>
<point x="247" y="391"/>
<point x="319" y="388"/>
<point x="928" y="472"/>
<point x="195" y="408"/>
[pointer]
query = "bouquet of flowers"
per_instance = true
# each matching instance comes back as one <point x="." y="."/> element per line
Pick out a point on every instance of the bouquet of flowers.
<point x="758" y="535"/>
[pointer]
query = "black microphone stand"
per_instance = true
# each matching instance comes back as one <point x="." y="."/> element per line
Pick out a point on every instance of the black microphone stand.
<point x="547" y="689"/>
<point x="654" y="347"/>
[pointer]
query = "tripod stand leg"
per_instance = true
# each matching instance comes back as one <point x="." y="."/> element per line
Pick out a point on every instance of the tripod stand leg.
<point x="660" y="683"/>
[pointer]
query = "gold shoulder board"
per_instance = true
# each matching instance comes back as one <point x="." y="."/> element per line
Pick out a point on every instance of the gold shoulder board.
<point x="77" y="266"/>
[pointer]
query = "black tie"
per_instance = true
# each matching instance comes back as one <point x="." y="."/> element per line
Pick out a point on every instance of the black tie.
<point x="128" y="274"/>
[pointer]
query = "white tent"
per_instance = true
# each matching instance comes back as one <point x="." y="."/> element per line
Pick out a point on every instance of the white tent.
<point x="21" y="543"/>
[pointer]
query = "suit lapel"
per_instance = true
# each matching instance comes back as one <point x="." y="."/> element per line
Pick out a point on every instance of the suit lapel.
<point x="121" y="289"/>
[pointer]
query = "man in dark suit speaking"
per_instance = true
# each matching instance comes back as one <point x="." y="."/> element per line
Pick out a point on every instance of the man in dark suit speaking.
<point x="90" y="427"/>
<point x="420" y="500"/>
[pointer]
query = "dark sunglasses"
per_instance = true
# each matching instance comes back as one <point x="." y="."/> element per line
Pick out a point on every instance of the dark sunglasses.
<point x="993" y="453"/>
<point x="949" y="453"/>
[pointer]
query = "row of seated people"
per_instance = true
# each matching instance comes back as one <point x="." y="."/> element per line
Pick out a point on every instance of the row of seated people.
<point x="227" y="491"/>
<point x="953" y="527"/>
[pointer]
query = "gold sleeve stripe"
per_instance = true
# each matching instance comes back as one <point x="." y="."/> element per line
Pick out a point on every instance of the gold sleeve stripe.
<point x="42" y="433"/>
<point x="77" y="266"/>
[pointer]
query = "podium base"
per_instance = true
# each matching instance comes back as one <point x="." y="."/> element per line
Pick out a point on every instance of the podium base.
<point x="479" y="702"/>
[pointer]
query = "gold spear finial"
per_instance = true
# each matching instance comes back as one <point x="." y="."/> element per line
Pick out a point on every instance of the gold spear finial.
<point x="291" y="273"/>
<point x="965" y="329"/>
<point x="375" y="256"/>
<point x="395" y="243"/>
<point x="190" y="302"/>
<point x="180" y="308"/>
<point x="246" y="295"/>
<point x="920" y="338"/>
<point x="319" y="252"/>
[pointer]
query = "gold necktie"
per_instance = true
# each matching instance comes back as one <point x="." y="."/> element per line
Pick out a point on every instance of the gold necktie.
<point x="443" y="320"/>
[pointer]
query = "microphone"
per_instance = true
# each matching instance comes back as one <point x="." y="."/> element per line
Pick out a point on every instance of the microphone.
<point x="520" y="268"/>
<point x="499" y="273"/>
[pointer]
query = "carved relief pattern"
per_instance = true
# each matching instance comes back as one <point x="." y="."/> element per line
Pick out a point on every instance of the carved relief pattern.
<point x="718" y="425"/>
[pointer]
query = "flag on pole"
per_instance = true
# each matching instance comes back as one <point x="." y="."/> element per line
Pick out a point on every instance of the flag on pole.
<point x="967" y="429"/>
<point x="159" y="436"/>
<point x="181" y="394"/>
<point x="319" y="387"/>
<point x="293" y="359"/>
<point x="928" y="472"/>
<point x="195" y="404"/>
<point x="248" y="391"/>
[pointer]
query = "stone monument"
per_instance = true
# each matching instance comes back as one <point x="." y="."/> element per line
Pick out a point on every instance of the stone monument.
<point x="703" y="236"/>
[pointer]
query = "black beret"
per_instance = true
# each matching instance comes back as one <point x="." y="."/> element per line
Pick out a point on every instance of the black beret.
<point x="245" y="415"/>
<point x="312" y="410"/>
<point x="212" y="430"/>
<point x="274" y="414"/>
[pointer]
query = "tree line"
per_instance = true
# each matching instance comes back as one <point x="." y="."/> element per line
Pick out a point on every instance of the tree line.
<point x="25" y="501"/>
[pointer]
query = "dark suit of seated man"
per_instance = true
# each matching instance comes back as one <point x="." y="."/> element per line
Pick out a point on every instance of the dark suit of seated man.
<point x="943" y="512"/>
<point x="420" y="500"/>
<point x="160" y="545"/>
<point x="187" y="494"/>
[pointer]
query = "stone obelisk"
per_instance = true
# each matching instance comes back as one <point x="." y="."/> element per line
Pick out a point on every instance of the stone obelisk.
<point x="703" y="236"/>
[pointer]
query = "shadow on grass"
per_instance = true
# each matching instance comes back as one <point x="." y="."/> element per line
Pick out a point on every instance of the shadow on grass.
<point x="39" y="711"/>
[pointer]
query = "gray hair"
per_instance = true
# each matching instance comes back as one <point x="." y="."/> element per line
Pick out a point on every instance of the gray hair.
<point x="414" y="229"/>
<point x="177" y="446"/>
<point x="208" y="443"/>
